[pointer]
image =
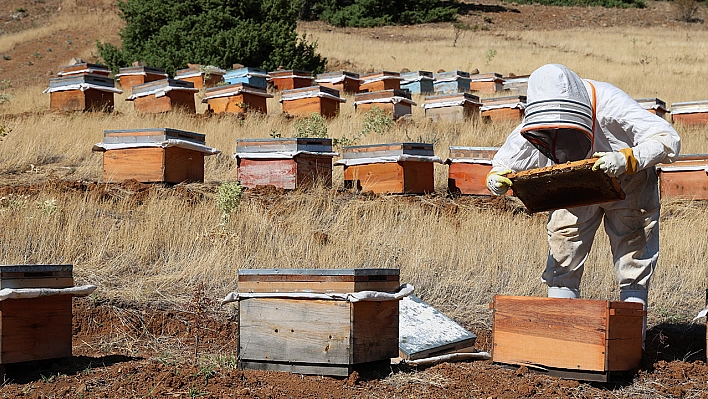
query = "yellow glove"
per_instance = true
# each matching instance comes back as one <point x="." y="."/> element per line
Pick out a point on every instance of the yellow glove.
<point x="497" y="183"/>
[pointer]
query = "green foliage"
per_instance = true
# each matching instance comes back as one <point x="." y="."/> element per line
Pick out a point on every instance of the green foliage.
<point x="601" y="3"/>
<point x="228" y="198"/>
<point x="369" y="13"/>
<point x="4" y="130"/>
<point x="313" y="125"/>
<point x="376" y="120"/>
<point x="171" y="33"/>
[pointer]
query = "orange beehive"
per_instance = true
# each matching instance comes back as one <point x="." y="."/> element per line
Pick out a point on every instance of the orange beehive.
<point x="469" y="167"/>
<point x="236" y="98"/>
<point x="82" y="92"/>
<point x="344" y="82"/>
<point x="137" y="75"/>
<point x="486" y="82"/>
<point x="314" y="99"/>
<point x="163" y="96"/>
<point x="378" y="81"/>
<point x="654" y="105"/>
<point x="686" y="178"/>
<point x="503" y="108"/>
<point x="396" y="103"/>
<point x="201" y="76"/>
<point x="84" y="68"/>
<point x="690" y="113"/>
<point x="290" y="79"/>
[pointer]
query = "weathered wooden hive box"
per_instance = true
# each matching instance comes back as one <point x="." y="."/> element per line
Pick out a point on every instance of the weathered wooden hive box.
<point x="572" y="338"/>
<point x="290" y="79"/>
<point x="378" y="81"/>
<point x="396" y="103"/>
<point x="201" y="76"/>
<point x="396" y="168"/>
<point x="469" y="167"/>
<point x="486" y="82"/>
<point x="163" y="96"/>
<point x="503" y="108"/>
<point x="156" y="155"/>
<point x="316" y="336"/>
<point x="686" y="178"/>
<point x="516" y="84"/>
<point x="84" y="68"/>
<point x="690" y="112"/>
<point x="451" y="82"/>
<point x="286" y="163"/>
<point x="137" y="75"/>
<point x="565" y="186"/>
<point x="237" y="98"/>
<point x="654" y="105"/>
<point x="252" y="76"/>
<point x="345" y="82"/>
<point x="418" y="82"/>
<point x="454" y="107"/>
<point x="313" y="99"/>
<point x="82" y="92"/>
<point x="35" y="328"/>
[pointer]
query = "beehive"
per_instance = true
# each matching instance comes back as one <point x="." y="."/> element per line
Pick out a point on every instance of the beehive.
<point x="469" y="167"/>
<point x="316" y="336"/>
<point x="252" y="76"/>
<point x="163" y="96"/>
<point x="290" y="79"/>
<point x="516" y="84"/>
<point x="82" y="92"/>
<point x="686" y="178"/>
<point x="378" y="81"/>
<point x="451" y="82"/>
<point x="313" y="99"/>
<point x="654" y="105"/>
<point x="396" y="103"/>
<point x="137" y="75"/>
<point x="572" y="338"/>
<point x="84" y="68"/>
<point x="160" y="155"/>
<point x="454" y="107"/>
<point x="345" y="82"/>
<point x="503" y="108"/>
<point x="286" y="163"/>
<point x="418" y="82"/>
<point x="201" y="76"/>
<point x="396" y="168"/>
<point x="690" y="112"/>
<point x="236" y="98"/>
<point x="486" y="82"/>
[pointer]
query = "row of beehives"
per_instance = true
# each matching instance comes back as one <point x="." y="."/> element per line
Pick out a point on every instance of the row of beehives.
<point x="175" y="156"/>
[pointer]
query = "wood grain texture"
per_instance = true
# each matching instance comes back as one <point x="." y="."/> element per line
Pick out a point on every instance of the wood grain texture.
<point x="385" y="84"/>
<point x="486" y="87"/>
<point x="35" y="329"/>
<point x="332" y="370"/>
<point x="468" y="178"/>
<point x="347" y="86"/>
<point x="317" y="286"/>
<point x="326" y="107"/>
<point x="281" y="173"/>
<point x="291" y="83"/>
<point x="183" y="165"/>
<point x="696" y="118"/>
<point x="198" y="81"/>
<point x="172" y="100"/>
<point x="502" y="114"/>
<point x="47" y="282"/>
<point x="142" y="164"/>
<point x="374" y="331"/>
<point x="392" y="178"/>
<point x="683" y="184"/>
<point x="235" y="104"/>
<point x="313" y="169"/>
<point x="77" y="100"/>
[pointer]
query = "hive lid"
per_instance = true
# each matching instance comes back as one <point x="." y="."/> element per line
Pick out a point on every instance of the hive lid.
<point x="451" y="97"/>
<point x="98" y="80"/>
<point x="451" y="75"/>
<point x="473" y="152"/>
<point x="162" y="84"/>
<point x="84" y="66"/>
<point x="310" y="91"/>
<point x="416" y="74"/>
<point x="141" y="69"/>
<point x="282" y="73"/>
<point x="35" y="268"/>
<point x="304" y="273"/>
<point x="266" y="145"/>
<point x="151" y="135"/>
<point x="383" y="94"/>
<point x="492" y="76"/>
<point x="245" y="71"/>
<point x="565" y="186"/>
<point x="383" y="150"/>
<point x="651" y="103"/>
<point x="504" y="100"/>
<point x="234" y="87"/>
<point x="337" y="74"/>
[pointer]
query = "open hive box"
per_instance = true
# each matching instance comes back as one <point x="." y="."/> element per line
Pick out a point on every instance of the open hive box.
<point x="454" y="107"/>
<point x="290" y="79"/>
<point x="309" y="335"/>
<point x="469" y="167"/>
<point x="564" y="186"/>
<point x="237" y="98"/>
<point x="344" y="82"/>
<point x="312" y="99"/>
<point x="686" y="178"/>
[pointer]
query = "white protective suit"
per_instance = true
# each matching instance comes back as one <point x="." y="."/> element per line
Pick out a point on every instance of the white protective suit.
<point x="611" y="121"/>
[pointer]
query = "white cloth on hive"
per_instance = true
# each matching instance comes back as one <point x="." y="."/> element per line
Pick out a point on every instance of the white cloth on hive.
<point x="25" y="293"/>
<point x="373" y="296"/>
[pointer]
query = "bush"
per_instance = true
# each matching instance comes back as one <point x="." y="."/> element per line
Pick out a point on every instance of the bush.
<point x="601" y="3"/>
<point x="171" y="33"/>
<point x="369" y="13"/>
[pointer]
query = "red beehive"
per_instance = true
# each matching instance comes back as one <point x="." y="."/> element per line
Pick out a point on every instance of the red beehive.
<point x="469" y="167"/>
<point x="686" y="178"/>
<point x="690" y="113"/>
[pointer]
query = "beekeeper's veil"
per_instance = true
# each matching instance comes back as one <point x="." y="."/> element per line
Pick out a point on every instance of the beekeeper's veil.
<point x="559" y="114"/>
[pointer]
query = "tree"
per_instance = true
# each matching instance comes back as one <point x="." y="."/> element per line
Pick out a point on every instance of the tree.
<point x="368" y="13"/>
<point x="171" y="33"/>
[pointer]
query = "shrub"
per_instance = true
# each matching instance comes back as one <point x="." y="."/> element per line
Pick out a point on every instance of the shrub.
<point x="601" y="3"/>
<point x="228" y="198"/>
<point x="369" y="13"/>
<point x="171" y="33"/>
<point x="686" y="10"/>
<point x="313" y="125"/>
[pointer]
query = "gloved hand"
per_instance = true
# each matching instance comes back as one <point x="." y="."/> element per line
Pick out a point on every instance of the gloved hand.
<point x="612" y="163"/>
<point x="497" y="183"/>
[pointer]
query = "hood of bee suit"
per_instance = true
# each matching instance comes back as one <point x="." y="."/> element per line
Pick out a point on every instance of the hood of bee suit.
<point x="559" y="115"/>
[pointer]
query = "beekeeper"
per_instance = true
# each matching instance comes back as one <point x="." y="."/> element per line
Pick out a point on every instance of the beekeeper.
<point x="569" y="119"/>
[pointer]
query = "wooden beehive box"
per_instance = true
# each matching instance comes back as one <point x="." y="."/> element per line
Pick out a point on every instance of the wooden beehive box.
<point x="82" y="92"/>
<point x="389" y="168"/>
<point x="137" y="75"/>
<point x="378" y="81"/>
<point x="516" y="84"/>
<point x="141" y="154"/>
<point x="396" y="103"/>
<point x="345" y="82"/>
<point x="201" y="76"/>
<point x="237" y="98"/>
<point x="163" y="96"/>
<point x="252" y="76"/>
<point x="35" y="328"/>
<point x="486" y="82"/>
<point x="572" y="338"/>
<point x="313" y="99"/>
<point x="418" y="82"/>
<point x="686" y="178"/>
<point x="454" y="107"/>
<point x="654" y="105"/>
<point x="451" y="82"/>
<point x="286" y="163"/>
<point x="565" y="186"/>
<point x="469" y="167"/>
<point x="290" y="79"/>
<point x="84" y="68"/>
<point x="690" y="112"/>
<point x="503" y="108"/>
<point x="316" y="336"/>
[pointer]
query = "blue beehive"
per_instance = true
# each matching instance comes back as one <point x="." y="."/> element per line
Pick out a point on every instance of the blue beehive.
<point x="253" y="76"/>
<point x="418" y="82"/>
<point x="452" y="82"/>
